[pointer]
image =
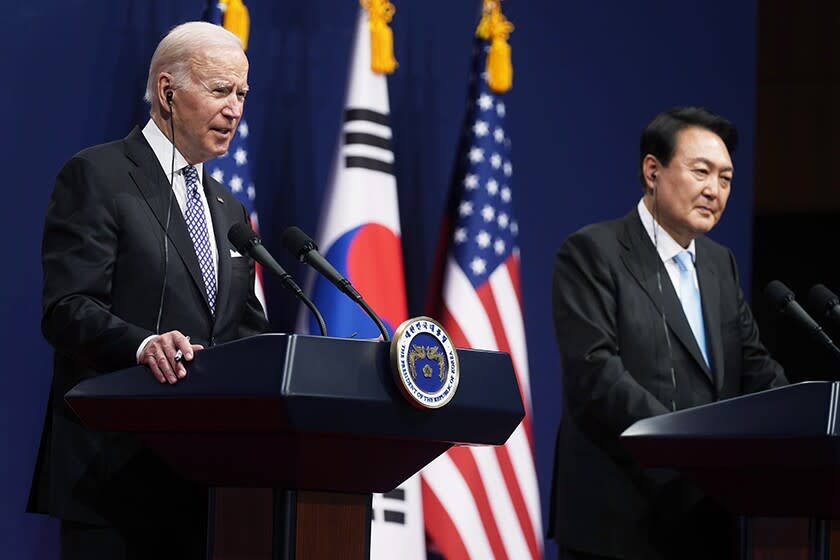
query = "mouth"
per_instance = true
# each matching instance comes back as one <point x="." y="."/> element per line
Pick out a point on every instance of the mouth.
<point x="224" y="132"/>
<point x="705" y="211"/>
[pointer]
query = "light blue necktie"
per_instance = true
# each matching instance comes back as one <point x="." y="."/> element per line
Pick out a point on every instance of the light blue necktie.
<point x="690" y="299"/>
<point x="197" y="225"/>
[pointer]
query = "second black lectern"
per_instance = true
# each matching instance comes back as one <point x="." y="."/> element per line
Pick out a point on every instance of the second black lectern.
<point x="773" y="453"/>
<point x="320" y="417"/>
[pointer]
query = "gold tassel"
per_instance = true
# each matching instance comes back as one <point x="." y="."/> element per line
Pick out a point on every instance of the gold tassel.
<point x="380" y="12"/>
<point x="237" y="20"/>
<point x="495" y="28"/>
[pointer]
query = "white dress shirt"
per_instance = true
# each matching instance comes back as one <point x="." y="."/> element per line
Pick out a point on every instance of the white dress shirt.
<point x="162" y="148"/>
<point x="666" y="246"/>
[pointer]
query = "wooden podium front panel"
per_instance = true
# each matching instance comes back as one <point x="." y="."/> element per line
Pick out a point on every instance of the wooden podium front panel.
<point x="266" y="524"/>
<point x="332" y="525"/>
<point x="242" y="524"/>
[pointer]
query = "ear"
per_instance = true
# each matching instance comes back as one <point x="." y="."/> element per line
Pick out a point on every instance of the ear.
<point x="650" y="169"/>
<point x="163" y="88"/>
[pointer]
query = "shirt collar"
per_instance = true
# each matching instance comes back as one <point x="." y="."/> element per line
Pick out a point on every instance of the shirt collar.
<point x="665" y="244"/>
<point x="162" y="148"/>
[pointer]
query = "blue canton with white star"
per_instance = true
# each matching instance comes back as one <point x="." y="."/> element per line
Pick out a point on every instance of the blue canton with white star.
<point x="232" y="169"/>
<point x="485" y="230"/>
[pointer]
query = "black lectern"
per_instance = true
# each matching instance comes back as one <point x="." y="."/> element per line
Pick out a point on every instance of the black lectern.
<point x="320" y="420"/>
<point x="773" y="453"/>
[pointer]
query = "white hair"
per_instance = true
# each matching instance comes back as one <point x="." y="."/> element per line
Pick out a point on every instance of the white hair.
<point x="174" y="54"/>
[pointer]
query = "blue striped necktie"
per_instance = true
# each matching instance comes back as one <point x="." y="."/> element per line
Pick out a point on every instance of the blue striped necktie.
<point x="197" y="226"/>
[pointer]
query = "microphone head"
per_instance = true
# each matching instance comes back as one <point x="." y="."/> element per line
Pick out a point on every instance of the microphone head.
<point x="243" y="237"/>
<point x="297" y="242"/>
<point x="778" y="295"/>
<point x="821" y="300"/>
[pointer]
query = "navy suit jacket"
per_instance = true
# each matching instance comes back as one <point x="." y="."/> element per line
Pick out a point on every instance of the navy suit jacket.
<point x="103" y="262"/>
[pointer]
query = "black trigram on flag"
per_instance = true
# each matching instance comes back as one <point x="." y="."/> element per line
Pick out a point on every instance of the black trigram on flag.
<point x="367" y="141"/>
<point x="392" y="508"/>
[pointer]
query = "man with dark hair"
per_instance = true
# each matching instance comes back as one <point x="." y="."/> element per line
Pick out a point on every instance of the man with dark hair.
<point x="650" y="318"/>
<point x="138" y="270"/>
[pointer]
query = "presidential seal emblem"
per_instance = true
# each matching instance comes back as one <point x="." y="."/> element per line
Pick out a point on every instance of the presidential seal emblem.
<point x="425" y="363"/>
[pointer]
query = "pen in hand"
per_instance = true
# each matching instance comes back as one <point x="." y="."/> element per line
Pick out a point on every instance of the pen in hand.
<point x="180" y="355"/>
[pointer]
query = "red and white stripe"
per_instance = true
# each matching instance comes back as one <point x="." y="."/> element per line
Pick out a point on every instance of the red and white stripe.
<point x="483" y="502"/>
<point x="258" y="280"/>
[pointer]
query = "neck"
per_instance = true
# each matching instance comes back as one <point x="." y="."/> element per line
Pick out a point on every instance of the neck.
<point x="682" y="240"/>
<point x="164" y="124"/>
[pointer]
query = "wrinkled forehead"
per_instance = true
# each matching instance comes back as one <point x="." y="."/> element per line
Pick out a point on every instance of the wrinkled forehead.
<point x="222" y="63"/>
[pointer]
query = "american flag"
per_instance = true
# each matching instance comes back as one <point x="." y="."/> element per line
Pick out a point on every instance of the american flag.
<point x="483" y="502"/>
<point x="233" y="168"/>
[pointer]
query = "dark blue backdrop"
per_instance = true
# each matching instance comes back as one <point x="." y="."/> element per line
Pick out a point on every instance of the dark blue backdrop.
<point x="588" y="77"/>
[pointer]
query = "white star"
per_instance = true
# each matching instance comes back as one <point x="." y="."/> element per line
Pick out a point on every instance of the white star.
<point x="499" y="246"/>
<point x="488" y="213"/>
<point x="483" y="239"/>
<point x="485" y="101"/>
<point x="500" y="109"/>
<point x="508" y="169"/>
<point x="492" y="187"/>
<point x="506" y="193"/>
<point x="465" y="208"/>
<point x="252" y="192"/>
<point x="235" y="184"/>
<point x="498" y="134"/>
<point x="514" y="228"/>
<point x="496" y="161"/>
<point x="502" y="220"/>
<point x="480" y="128"/>
<point x="218" y="174"/>
<point x="478" y="266"/>
<point x="241" y="156"/>
<point x="243" y="129"/>
<point x="460" y="235"/>
<point x="471" y="181"/>
<point x="476" y="155"/>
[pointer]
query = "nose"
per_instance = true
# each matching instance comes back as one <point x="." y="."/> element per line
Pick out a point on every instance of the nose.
<point x="233" y="107"/>
<point x="712" y="187"/>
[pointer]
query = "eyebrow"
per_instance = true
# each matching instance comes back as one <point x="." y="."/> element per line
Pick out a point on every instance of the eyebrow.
<point x="710" y="163"/>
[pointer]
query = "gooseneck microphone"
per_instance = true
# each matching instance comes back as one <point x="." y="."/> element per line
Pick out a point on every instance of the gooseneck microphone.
<point x="249" y="243"/>
<point x="783" y="301"/>
<point x="824" y="303"/>
<point x="303" y="248"/>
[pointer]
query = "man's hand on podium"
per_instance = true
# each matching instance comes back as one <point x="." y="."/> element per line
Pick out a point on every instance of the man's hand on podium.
<point x="164" y="355"/>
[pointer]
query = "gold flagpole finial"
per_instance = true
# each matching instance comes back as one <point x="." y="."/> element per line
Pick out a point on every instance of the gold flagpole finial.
<point x="496" y="28"/>
<point x="236" y="20"/>
<point x="380" y="12"/>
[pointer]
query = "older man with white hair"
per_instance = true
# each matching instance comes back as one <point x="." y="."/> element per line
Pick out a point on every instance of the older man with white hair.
<point x="138" y="270"/>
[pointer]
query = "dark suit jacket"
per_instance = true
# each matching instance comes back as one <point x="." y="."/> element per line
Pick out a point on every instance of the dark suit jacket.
<point x="617" y="368"/>
<point x="103" y="263"/>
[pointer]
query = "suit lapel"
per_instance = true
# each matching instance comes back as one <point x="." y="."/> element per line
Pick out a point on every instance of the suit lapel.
<point x="710" y="295"/>
<point x="152" y="182"/>
<point x="642" y="261"/>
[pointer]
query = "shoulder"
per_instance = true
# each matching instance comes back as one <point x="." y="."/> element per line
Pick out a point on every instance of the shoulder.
<point x="605" y="236"/>
<point x="711" y="250"/>
<point x="102" y="157"/>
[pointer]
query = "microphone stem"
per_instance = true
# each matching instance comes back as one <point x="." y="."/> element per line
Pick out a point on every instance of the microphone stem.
<point x="346" y="287"/>
<point x="385" y="336"/>
<point x="308" y="303"/>
<point x="827" y="342"/>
